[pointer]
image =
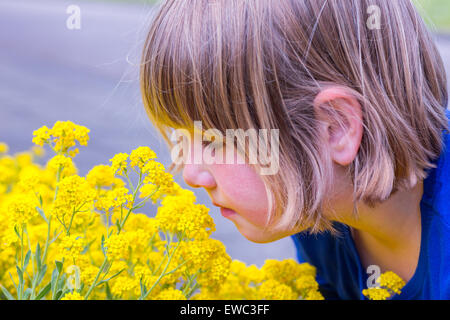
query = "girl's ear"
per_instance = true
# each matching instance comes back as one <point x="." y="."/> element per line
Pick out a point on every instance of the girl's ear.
<point x="342" y="125"/>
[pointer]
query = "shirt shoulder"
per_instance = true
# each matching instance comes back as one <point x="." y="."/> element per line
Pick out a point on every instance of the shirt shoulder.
<point x="436" y="185"/>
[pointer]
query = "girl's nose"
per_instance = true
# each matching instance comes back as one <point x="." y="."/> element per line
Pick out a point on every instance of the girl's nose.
<point x="197" y="177"/>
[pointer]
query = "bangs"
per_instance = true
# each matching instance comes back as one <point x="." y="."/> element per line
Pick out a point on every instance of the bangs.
<point x="197" y="66"/>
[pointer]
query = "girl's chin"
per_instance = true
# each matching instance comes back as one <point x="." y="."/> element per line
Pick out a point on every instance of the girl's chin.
<point x="253" y="233"/>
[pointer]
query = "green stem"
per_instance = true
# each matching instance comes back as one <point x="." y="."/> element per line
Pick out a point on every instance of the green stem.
<point x="134" y="199"/>
<point x="44" y="257"/>
<point x="58" y="177"/>
<point x="57" y="279"/>
<point x="129" y="181"/>
<point x="86" y="296"/>
<point x="70" y="223"/>
<point x="21" y="284"/>
<point x="163" y="273"/>
<point x="194" y="287"/>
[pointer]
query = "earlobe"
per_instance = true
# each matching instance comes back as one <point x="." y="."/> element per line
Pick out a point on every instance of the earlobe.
<point x="341" y="114"/>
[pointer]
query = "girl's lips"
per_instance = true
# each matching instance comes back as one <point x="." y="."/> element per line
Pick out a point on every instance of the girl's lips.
<point x="226" y="212"/>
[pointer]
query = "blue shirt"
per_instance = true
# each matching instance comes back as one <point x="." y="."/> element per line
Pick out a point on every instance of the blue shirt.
<point x="339" y="270"/>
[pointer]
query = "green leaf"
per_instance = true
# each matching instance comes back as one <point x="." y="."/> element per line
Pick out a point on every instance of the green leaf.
<point x="17" y="232"/>
<point x="27" y="260"/>
<point x="58" y="295"/>
<point x="54" y="280"/>
<point x="6" y="293"/>
<point x="27" y="294"/>
<point x="44" y="291"/>
<point x="108" y="292"/>
<point x="42" y="214"/>
<point x="59" y="266"/>
<point x="38" y="256"/>
<point x="19" y="290"/>
<point x="14" y="283"/>
<point x="20" y="274"/>
<point x="42" y="274"/>
<point x="103" y="245"/>
<point x="143" y="288"/>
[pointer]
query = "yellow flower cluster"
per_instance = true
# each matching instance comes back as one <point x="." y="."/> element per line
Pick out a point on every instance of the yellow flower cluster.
<point x="178" y="214"/>
<point x="68" y="237"/>
<point x="72" y="296"/>
<point x="62" y="136"/>
<point x="389" y="284"/>
<point x="276" y="280"/>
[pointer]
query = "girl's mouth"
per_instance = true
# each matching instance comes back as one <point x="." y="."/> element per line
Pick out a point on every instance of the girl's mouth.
<point x="227" y="212"/>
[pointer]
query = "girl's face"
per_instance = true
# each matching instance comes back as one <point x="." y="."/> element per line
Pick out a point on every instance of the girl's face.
<point x="237" y="189"/>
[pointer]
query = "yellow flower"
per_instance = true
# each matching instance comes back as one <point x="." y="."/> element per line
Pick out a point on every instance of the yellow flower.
<point x="274" y="290"/>
<point x="170" y="294"/>
<point x="314" y="295"/>
<point x="74" y="195"/>
<point x="286" y="271"/>
<point x="41" y="136"/>
<point x="178" y="214"/>
<point x="63" y="136"/>
<point x="22" y="208"/>
<point x="70" y="247"/>
<point x="66" y="133"/>
<point x="216" y="273"/>
<point x="68" y="167"/>
<point x="119" y="163"/>
<point x="376" y="294"/>
<point x="123" y="284"/>
<point x="72" y="296"/>
<point x="140" y="156"/>
<point x="101" y="176"/>
<point x="7" y="169"/>
<point x="24" y="159"/>
<point x="3" y="148"/>
<point x="389" y="280"/>
<point x="157" y="176"/>
<point x="306" y="283"/>
<point x="117" y="246"/>
<point x="139" y="221"/>
<point x="115" y="198"/>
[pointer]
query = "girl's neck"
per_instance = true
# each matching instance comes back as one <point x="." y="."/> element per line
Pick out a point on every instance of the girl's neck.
<point x="388" y="235"/>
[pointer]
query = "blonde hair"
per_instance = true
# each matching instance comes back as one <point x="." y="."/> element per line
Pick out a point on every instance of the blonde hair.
<point x="260" y="64"/>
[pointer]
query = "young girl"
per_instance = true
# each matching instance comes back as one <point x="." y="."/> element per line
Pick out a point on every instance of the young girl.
<point x="357" y="92"/>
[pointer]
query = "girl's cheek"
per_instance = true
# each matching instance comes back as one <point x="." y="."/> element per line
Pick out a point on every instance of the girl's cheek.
<point x="243" y="191"/>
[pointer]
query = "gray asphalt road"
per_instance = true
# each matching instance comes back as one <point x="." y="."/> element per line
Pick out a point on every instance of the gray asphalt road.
<point x="90" y="76"/>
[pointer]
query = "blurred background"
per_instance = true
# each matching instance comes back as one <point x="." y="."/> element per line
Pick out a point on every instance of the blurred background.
<point x="89" y="75"/>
